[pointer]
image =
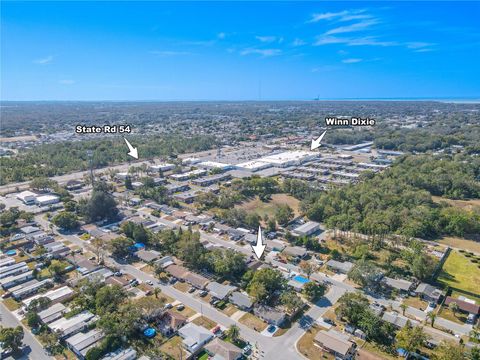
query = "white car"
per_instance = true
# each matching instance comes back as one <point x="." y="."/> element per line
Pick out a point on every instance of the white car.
<point x="149" y="282"/>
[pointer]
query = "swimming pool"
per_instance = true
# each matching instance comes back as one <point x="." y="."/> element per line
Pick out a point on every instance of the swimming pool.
<point x="301" y="279"/>
<point x="149" y="332"/>
<point x="11" y="252"/>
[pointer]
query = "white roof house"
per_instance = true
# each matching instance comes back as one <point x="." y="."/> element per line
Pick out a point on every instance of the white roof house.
<point x="307" y="229"/>
<point x="52" y="313"/>
<point x="56" y="295"/>
<point x="47" y="200"/>
<point x="81" y="343"/>
<point x="73" y="325"/>
<point x="27" y="197"/>
<point x="194" y="337"/>
<point x="162" y="167"/>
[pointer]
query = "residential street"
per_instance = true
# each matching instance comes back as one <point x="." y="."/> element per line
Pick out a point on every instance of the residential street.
<point x="34" y="349"/>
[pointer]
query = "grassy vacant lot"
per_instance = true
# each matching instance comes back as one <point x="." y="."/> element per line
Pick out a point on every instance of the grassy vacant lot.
<point x="205" y="322"/>
<point x="456" y="242"/>
<point x="173" y="347"/>
<point x="229" y="310"/>
<point x="460" y="273"/>
<point x="269" y="208"/>
<point x="308" y="349"/>
<point x="464" y="204"/>
<point x="446" y="313"/>
<point x="11" y="304"/>
<point x="253" y="322"/>
<point x="187" y="312"/>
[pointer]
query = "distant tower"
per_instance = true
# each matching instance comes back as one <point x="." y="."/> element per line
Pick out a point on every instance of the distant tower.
<point x="90" y="161"/>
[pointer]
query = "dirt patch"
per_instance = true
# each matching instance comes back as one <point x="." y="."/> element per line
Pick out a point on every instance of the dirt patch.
<point x="253" y="322"/>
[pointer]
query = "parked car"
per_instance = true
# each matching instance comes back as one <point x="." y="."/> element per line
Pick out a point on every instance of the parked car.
<point x="149" y="282"/>
<point x="118" y="273"/>
<point x="180" y="307"/>
<point x="191" y="290"/>
<point x="247" y="350"/>
<point x="328" y="321"/>
<point x="168" y="306"/>
<point x="203" y="293"/>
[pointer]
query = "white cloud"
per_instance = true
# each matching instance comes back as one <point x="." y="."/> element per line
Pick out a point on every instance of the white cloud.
<point x="269" y="39"/>
<point x="351" y="61"/>
<point x="166" y="53"/>
<point x="345" y="15"/>
<point x="66" y="82"/>
<point x="298" y="42"/>
<point x="221" y="35"/>
<point x="360" y="26"/>
<point x="44" y="61"/>
<point x="262" y="52"/>
<point x="361" y="41"/>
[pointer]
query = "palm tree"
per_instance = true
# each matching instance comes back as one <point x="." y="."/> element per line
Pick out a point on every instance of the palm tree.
<point x="233" y="332"/>
<point x="403" y="307"/>
<point x="432" y="316"/>
<point x="156" y="291"/>
<point x="454" y="308"/>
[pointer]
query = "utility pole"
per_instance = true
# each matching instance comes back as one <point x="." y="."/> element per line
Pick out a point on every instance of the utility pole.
<point x="90" y="160"/>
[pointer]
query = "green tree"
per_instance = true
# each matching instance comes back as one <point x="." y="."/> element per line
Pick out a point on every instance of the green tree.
<point x="448" y="351"/>
<point x="11" y="338"/>
<point x="233" y="332"/>
<point x="291" y="301"/>
<point x="432" y="316"/>
<point x="65" y="220"/>
<point x="453" y="306"/>
<point x="284" y="214"/>
<point x="404" y="307"/>
<point x="313" y="291"/>
<point x="56" y="268"/>
<point x="308" y="268"/>
<point x="265" y="283"/>
<point x="410" y="338"/>
<point x="108" y="298"/>
<point x="101" y="204"/>
<point x="120" y="246"/>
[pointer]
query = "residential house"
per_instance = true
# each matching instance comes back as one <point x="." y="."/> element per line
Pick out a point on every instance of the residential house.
<point x="194" y="337"/>
<point x="400" y="285"/>
<point x="222" y="350"/>
<point x="336" y="344"/>
<point x="56" y="295"/>
<point x="220" y="291"/>
<point x="339" y="266"/>
<point x="463" y="306"/>
<point x="428" y="292"/>
<point x="397" y="320"/>
<point x="170" y="321"/>
<point x="52" y="313"/>
<point x="67" y="327"/>
<point x="196" y="280"/>
<point x="121" y="354"/>
<point x="241" y="300"/>
<point x="13" y="280"/>
<point x="270" y="315"/>
<point x="307" y="229"/>
<point x="295" y="252"/>
<point x="147" y="255"/>
<point x="81" y="343"/>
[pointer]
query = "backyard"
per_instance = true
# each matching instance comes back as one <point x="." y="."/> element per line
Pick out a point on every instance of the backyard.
<point x="461" y="272"/>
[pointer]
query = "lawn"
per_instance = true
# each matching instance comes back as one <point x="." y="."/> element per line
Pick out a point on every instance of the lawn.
<point x="456" y="242"/>
<point x="187" y="312"/>
<point x="229" y="310"/>
<point x="416" y="303"/>
<point x="308" y="349"/>
<point x="269" y="208"/>
<point x="173" y="347"/>
<point x="11" y="304"/>
<point x="183" y="287"/>
<point x="446" y="313"/>
<point x="205" y="322"/>
<point x="460" y="273"/>
<point x="253" y="322"/>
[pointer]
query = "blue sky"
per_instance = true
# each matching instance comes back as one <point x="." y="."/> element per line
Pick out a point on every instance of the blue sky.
<point x="239" y="50"/>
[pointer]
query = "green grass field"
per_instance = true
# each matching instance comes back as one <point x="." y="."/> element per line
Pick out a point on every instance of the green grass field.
<point x="269" y="208"/>
<point x="460" y="273"/>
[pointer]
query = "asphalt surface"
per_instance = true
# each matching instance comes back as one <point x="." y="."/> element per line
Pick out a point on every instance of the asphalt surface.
<point x="33" y="349"/>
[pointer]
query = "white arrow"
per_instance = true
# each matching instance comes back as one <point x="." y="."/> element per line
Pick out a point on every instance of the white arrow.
<point x="316" y="143"/>
<point x="259" y="248"/>
<point x="132" y="151"/>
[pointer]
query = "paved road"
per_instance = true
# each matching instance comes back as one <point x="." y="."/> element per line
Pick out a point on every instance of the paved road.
<point x="34" y="349"/>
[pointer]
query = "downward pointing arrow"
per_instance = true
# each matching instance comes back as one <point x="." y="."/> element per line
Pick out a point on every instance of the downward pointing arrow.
<point x="259" y="247"/>
<point x="316" y="143"/>
<point x="132" y="151"/>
